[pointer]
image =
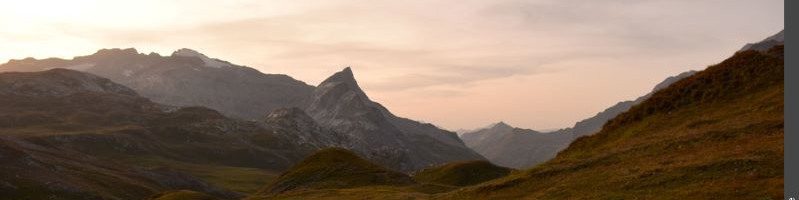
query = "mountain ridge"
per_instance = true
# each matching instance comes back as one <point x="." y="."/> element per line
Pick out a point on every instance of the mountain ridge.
<point x="185" y="79"/>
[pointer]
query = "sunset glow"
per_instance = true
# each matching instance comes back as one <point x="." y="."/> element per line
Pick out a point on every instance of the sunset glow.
<point x="457" y="64"/>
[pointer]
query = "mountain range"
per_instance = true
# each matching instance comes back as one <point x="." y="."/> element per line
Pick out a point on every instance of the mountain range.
<point x="161" y="112"/>
<point x="100" y="127"/>
<point x="186" y="78"/>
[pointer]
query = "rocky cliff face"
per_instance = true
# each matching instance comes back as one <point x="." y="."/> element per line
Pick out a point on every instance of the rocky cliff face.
<point x="296" y="124"/>
<point x="372" y="131"/>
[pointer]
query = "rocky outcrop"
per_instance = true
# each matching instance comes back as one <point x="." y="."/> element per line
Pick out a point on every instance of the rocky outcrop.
<point x="373" y="132"/>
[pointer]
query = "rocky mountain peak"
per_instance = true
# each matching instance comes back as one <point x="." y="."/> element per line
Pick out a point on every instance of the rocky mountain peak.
<point x="339" y="95"/>
<point x="339" y="103"/>
<point x="344" y="76"/>
<point x="501" y="125"/>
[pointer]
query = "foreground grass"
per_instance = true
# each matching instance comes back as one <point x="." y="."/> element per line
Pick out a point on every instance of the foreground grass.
<point x="238" y="179"/>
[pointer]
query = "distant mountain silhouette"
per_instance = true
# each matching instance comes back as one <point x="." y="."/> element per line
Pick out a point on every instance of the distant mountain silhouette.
<point x="522" y="148"/>
<point x="513" y="147"/>
<point x="765" y="44"/>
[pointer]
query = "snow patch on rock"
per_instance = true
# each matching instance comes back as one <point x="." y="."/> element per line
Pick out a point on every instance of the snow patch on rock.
<point x="209" y="62"/>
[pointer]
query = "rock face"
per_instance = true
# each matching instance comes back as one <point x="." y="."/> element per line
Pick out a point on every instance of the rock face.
<point x="507" y="146"/>
<point x="296" y="124"/>
<point x="765" y="44"/>
<point x="186" y="78"/>
<point x="373" y="132"/>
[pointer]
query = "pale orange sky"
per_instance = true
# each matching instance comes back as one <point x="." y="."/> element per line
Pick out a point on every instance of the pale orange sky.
<point x="458" y="64"/>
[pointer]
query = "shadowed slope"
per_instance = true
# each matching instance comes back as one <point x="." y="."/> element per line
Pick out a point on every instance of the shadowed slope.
<point x="716" y="134"/>
<point x="65" y="119"/>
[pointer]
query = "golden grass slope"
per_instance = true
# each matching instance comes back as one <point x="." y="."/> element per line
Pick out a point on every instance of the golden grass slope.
<point x="715" y="135"/>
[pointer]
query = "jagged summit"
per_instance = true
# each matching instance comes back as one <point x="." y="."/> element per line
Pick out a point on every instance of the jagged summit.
<point x="344" y="76"/>
<point x="338" y="95"/>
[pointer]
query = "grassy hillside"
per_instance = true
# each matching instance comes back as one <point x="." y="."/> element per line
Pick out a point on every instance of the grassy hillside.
<point x="715" y="135"/>
<point x="461" y="173"/>
<point x="335" y="173"/>
<point x="244" y="180"/>
<point x="334" y="168"/>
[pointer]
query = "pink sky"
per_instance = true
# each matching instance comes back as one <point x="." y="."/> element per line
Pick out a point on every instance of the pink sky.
<point x="457" y="64"/>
